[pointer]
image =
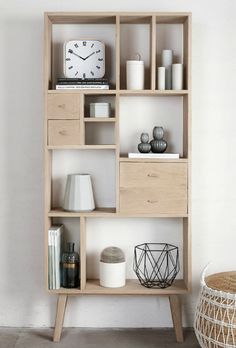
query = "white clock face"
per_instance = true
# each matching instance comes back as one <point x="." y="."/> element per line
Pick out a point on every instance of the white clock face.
<point x="84" y="59"/>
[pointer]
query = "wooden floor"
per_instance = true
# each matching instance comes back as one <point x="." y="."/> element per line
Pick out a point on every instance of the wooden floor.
<point x="95" y="338"/>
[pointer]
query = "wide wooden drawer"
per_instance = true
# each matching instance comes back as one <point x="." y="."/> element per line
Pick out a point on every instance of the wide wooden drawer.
<point x="63" y="132"/>
<point x="63" y="106"/>
<point x="155" y="188"/>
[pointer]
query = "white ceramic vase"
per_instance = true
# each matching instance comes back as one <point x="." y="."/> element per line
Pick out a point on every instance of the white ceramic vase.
<point x="167" y="60"/>
<point x="79" y="193"/>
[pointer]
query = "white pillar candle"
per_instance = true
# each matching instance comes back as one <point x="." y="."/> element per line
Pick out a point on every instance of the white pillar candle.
<point x="177" y="76"/>
<point x="135" y="74"/>
<point x="161" y="78"/>
<point x="167" y="60"/>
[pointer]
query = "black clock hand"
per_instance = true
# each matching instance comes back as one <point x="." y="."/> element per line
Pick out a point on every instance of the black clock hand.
<point x="89" y="56"/>
<point x="72" y="52"/>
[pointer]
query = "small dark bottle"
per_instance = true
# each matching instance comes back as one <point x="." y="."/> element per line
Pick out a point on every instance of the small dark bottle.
<point x="70" y="267"/>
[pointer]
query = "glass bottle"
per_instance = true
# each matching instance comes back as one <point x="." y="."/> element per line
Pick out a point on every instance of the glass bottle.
<point x="70" y="267"/>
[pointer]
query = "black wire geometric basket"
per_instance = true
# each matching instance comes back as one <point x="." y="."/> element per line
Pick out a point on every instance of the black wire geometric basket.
<point x="156" y="264"/>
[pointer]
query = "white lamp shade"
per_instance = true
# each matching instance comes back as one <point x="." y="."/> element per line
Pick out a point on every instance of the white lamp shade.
<point x="79" y="193"/>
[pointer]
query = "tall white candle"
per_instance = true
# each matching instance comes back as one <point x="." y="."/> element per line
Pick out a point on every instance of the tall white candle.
<point x="135" y="74"/>
<point x="167" y="60"/>
<point x="177" y="76"/>
<point x="161" y="78"/>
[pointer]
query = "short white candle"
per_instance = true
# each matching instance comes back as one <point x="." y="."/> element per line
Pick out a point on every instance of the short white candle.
<point x="177" y="76"/>
<point x="161" y="72"/>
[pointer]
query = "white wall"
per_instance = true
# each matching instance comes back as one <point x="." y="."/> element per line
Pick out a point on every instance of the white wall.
<point x="23" y="300"/>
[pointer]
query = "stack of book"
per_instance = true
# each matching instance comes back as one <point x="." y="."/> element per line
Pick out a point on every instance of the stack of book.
<point x="54" y="256"/>
<point x="73" y="83"/>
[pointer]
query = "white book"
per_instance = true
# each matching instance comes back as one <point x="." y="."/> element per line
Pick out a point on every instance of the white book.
<point x="58" y="236"/>
<point x="54" y="255"/>
<point x="53" y="259"/>
<point x="153" y="155"/>
<point x="49" y="259"/>
<point x="82" y="86"/>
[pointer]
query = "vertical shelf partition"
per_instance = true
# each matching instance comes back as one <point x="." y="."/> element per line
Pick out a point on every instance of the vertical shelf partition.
<point x="133" y="32"/>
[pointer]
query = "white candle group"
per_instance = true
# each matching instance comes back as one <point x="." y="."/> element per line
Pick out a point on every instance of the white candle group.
<point x="169" y="75"/>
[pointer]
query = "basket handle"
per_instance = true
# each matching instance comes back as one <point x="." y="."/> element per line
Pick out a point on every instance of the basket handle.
<point x="203" y="283"/>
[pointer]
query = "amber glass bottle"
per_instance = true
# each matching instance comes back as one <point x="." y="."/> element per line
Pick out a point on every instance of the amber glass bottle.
<point x="70" y="267"/>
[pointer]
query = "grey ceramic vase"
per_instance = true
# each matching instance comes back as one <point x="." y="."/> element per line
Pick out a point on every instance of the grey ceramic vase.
<point x="144" y="146"/>
<point x="158" y="133"/>
<point x="158" y="144"/>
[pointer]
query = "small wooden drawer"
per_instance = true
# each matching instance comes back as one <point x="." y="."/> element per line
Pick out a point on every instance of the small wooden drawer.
<point x="61" y="132"/>
<point x="159" y="188"/>
<point x="63" y="106"/>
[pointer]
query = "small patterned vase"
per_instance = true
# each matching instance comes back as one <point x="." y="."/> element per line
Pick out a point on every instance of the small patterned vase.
<point x="144" y="146"/>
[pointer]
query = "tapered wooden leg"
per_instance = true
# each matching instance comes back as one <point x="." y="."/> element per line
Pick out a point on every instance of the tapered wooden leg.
<point x="175" y="306"/>
<point x="61" y="307"/>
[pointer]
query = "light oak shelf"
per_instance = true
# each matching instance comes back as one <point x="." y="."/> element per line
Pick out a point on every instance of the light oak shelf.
<point x="132" y="287"/>
<point x="99" y="119"/>
<point x="109" y="17"/>
<point x="141" y="184"/>
<point x="82" y="147"/>
<point x="83" y="91"/>
<point x="109" y="212"/>
<point x="168" y="160"/>
<point x="167" y="93"/>
<point x="98" y="212"/>
<point x="122" y="92"/>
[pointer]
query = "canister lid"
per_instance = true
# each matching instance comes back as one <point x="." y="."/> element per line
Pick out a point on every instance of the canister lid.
<point x="136" y="62"/>
<point x="112" y="254"/>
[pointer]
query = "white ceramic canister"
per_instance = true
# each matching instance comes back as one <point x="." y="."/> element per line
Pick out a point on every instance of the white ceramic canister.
<point x="112" y="268"/>
<point x="167" y="60"/>
<point x="135" y="74"/>
<point x="112" y="275"/>
<point x="177" y="76"/>
<point x="79" y="193"/>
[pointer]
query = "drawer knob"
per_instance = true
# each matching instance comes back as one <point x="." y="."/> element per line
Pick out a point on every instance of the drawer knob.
<point x="61" y="106"/>
<point x="151" y="202"/>
<point x="153" y="175"/>
<point x="62" y="132"/>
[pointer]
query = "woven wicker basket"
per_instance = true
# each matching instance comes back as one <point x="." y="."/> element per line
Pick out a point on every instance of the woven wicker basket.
<point x="215" y="318"/>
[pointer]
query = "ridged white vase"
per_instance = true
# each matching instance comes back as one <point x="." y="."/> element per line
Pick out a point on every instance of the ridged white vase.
<point x="79" y="193"/>
<point x="167" y="60"/>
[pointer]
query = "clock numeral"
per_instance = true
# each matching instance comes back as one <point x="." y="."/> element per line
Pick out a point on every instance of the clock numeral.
<point x="70" y="51"/>
<point x="100" y="59"/>
<point x="68" y="59"/>
<point x="70" y="67"/>
<point x="84" y="43"/>
<point x="92" y="73"/>
<point x="92" y="45"/>
<point x="84" y="76"/>
<point x="76" y="73"/>
<point x="98" y="51"/>
<point x="98" y="67"/>
<point x="76" y="45"/>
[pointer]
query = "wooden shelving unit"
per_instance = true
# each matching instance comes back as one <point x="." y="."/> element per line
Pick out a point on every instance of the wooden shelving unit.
<point x="137" y="194"/>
